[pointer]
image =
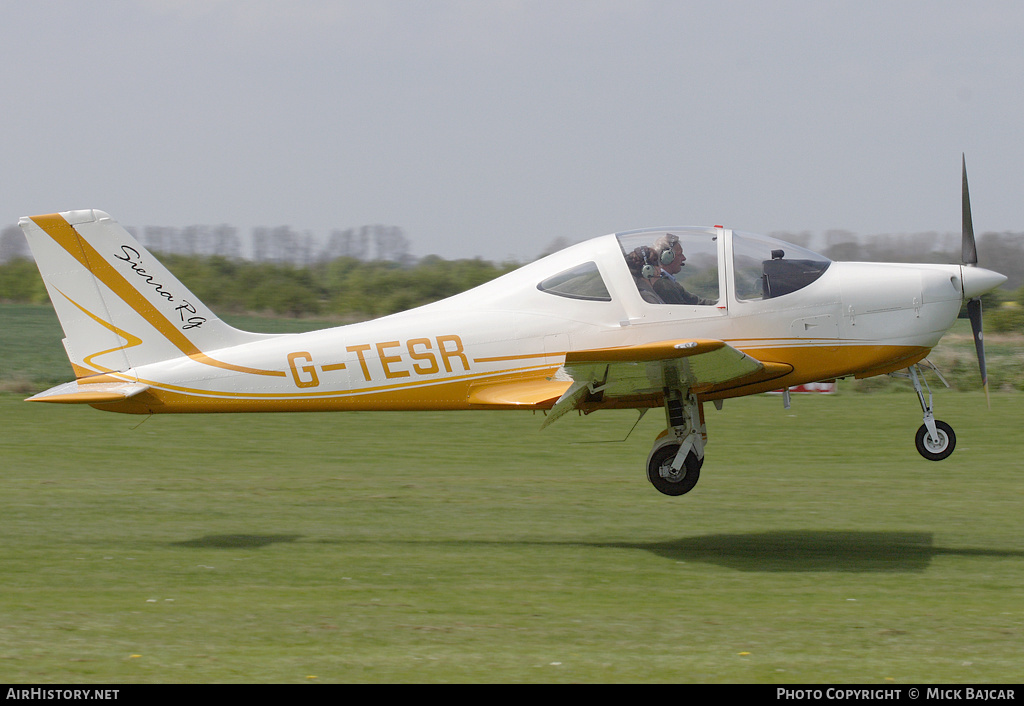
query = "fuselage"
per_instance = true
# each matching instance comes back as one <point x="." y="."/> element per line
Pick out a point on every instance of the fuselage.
<point x="822" y="319"/>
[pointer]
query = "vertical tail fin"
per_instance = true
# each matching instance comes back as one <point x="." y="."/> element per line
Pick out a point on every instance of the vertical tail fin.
<point x="119" y="307"/>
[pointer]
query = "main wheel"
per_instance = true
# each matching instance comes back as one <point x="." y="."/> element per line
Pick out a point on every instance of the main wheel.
<point x="667" y="479"/>
<point x="935" y="449"/>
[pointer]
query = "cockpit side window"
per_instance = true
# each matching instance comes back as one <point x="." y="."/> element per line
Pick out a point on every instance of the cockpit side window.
<point x="581" y="282"/>
<point x="673" y="267"/>
<point x="766" y="268"/>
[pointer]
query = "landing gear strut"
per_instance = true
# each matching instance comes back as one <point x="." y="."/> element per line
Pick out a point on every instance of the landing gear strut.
<point x="935" y="439"/>
<point x="673" y="466"/>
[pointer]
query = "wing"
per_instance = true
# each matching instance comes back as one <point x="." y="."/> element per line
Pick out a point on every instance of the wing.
<point x="636" y="376"/>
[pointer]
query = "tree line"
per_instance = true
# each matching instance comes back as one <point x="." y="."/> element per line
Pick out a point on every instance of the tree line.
<point x="345" y="287"/>
<point x="356" y="273"/>
<point x="1002" y="252"/>
<point x="368" y="271"/>
<point x="279" y="244"/>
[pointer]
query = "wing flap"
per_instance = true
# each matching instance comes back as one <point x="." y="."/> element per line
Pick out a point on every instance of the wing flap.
<point x="567" y="402"/>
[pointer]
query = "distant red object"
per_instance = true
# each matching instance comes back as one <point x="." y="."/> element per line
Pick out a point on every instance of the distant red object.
<point x="826" y="387"/>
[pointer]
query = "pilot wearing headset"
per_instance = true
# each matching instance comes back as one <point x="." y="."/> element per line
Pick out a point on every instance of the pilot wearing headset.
<point x="671" y="260"/>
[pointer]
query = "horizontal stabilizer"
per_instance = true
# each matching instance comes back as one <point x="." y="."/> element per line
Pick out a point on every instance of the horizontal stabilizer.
<point x="93" y="393"/>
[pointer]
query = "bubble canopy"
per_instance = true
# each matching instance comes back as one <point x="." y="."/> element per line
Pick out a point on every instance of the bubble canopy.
<point x="685" y="266"/>
<point x="765" y="267"/>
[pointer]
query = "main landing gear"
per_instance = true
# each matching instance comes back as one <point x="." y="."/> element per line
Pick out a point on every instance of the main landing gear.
<point x="673" y="466"/>
<point x="935" y="439"/>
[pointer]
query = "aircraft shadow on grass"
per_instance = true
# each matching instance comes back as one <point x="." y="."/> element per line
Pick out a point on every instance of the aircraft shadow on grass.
<point x="237" y="541"/>
<point x="807" y="550"/>
<point x="780" y="551"/>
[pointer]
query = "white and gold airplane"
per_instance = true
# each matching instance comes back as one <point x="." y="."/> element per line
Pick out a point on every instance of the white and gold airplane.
<point x="614" y="322"/>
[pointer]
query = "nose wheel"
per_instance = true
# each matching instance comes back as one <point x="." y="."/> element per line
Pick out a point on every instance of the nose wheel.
<point x="935" y="439"/>
<point x="936" y="445"/>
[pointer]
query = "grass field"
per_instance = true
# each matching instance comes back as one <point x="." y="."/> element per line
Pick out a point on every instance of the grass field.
<point x="472" y="547"/>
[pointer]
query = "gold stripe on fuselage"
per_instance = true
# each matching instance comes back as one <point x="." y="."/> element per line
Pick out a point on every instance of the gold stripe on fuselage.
<point x="453" y="393"/>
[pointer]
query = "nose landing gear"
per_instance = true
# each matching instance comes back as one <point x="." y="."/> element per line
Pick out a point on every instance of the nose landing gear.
<point x="935" y="439"/>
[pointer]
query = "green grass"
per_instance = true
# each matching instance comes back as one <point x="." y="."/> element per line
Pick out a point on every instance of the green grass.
<point x="32" y="357"/>
<point x="471" y="547"/>
<point x="468" y="547"/>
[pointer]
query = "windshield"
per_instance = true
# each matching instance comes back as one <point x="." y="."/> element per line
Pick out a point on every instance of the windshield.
<point x="677" y="266"/>
<point x="766" y="268"/>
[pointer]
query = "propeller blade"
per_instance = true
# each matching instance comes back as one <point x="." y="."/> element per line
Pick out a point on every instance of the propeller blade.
<point x="969" y="249"/>
<point x="974" y="312"/>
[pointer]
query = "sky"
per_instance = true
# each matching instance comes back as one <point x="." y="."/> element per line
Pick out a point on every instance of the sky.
<point x="494" y="128"/>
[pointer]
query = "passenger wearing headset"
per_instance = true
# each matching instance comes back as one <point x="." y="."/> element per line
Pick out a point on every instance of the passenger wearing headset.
<point x="671" y="259"/>
<point x="642" y="264"/>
